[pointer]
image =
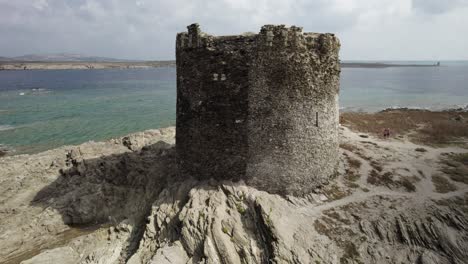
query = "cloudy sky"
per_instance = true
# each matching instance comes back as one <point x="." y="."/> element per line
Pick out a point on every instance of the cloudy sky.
<point x="146" y="29"/>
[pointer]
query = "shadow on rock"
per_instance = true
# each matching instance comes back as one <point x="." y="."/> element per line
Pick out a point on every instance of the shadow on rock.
<point x="110" y="189"/>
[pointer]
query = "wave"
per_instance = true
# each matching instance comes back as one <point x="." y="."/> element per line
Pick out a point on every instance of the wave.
<point x="371" y="109"/>
<point x="459" y="108"/>
<point x="35" y="91"/>
<point x="396" y="107"/>
<point x="6" y="127"/>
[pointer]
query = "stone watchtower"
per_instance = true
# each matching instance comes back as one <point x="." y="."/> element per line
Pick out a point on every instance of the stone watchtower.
<point x="258" y="107"/>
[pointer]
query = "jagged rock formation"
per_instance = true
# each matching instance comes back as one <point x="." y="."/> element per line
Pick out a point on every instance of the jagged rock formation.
<point x="104" y="203"/>
<point x="258" y="107"/>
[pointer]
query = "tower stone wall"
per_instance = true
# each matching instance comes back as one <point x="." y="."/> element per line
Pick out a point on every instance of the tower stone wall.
<point x="258" y="107"/>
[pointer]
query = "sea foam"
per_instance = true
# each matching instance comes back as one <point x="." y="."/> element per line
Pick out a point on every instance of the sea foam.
<point x="6" y="127"/>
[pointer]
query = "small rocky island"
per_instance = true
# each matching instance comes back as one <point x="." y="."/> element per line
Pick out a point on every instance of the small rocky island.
<point x="144" y="199"/>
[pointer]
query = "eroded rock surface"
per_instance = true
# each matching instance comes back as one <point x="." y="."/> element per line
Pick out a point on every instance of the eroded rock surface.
<point x="122" y="201"/>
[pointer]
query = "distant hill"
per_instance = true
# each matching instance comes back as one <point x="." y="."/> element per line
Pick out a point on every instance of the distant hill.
<point x="61" y="57"/>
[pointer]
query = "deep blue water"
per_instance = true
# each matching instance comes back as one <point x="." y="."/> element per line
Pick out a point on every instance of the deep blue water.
<point x="41" y="110"/>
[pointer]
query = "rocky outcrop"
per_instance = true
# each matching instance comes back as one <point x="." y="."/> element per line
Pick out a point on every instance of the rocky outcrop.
<point x="226" y="223"/>
<point x="72" y="191"/>
<point x="116" y="202"/>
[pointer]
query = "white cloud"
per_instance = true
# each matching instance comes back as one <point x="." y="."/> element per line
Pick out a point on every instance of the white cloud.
<point x="438" y="6"/>
<point x="40" y="4"/>
<point x="145" y="29"/>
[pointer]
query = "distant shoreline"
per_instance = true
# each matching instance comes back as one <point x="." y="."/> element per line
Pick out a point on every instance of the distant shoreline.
<point x="381" y="65"/>
<point x="67" y="65"/>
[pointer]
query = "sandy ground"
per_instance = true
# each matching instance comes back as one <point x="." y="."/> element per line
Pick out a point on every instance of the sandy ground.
<point x="121" y="202"/>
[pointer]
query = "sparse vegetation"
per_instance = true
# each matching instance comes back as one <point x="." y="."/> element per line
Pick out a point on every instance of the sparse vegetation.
<point x="348" y="147"/>
<point x="442" y="185"/>
<point x="462" y="158"/>
<point x="421" y="173"/>
<point x="354" y="163"/>
<point x="356" y="150"/>
<point x="225" y="230"/>
<point x="334" y="192"/>
<point x="432" y="128"/>
<point x="341" y="235"/>
<point x="352" y="185"/>
<point x="370" y="143"/>
<point x="445" y="131"/>
<point x="458" y="174"/>
<point x="320" y="227"/>
<point x="352" y="175"/>
<point x="377" y="166"/>
<point x="335" y="215"/>
<point x="201" y="216"/>
<point x="456" y="202"/>
<point x="408" y="185"/>
<point x="456" y="167"/>
<point x="387" y="179"/>
<point x="268" y="218"/>
<point x="350" y="253"/>
<point x="240" y="208"/>
<point x="352" y="172"/>
<point x="375" y="178"/>
<point x="242" y="196"/>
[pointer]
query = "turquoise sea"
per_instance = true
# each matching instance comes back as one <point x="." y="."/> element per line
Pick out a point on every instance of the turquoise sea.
<point x="374" y="89"/>
<point x="41" y="110"/>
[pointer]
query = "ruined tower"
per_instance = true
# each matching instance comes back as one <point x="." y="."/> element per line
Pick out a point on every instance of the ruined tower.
<point x="258" y="107"/>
